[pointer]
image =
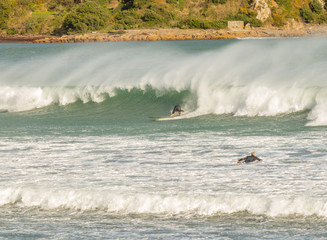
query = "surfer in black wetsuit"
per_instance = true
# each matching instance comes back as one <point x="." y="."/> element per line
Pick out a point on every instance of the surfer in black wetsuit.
<point x="249" y="159"/>
<point x="178" y="109"/>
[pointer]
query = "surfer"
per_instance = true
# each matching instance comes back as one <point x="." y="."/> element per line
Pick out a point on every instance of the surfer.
<point x="248" y="159"/>
<point x="178" y="109"/>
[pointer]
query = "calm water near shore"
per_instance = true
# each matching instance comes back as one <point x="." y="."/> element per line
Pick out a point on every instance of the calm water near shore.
<point x="83" y="157"/>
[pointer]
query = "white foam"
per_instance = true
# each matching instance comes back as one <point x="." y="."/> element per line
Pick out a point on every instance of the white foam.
<point x="17" y="99"/>
<point x="272" y="206"/>
<point x="318" y="115"/>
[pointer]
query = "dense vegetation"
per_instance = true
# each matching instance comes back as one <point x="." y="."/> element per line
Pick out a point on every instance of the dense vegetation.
<point x="80" y="16"/>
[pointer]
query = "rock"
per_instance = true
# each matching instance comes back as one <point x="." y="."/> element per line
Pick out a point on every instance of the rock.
<point x="263" y="10"/>
<point x="322" y="2"/>
<point x="152" y="37"/>
<point x="292" y="29"/>
<point x="292" y="24"/>
<point x="248" y="26"/>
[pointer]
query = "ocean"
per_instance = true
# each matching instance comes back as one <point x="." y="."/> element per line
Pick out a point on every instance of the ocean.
<point x="83" y="157"/>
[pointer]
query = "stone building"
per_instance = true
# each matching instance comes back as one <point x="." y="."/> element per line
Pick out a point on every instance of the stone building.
<point x="235" y="25"/>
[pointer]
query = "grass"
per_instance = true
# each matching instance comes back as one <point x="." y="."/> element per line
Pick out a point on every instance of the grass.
<point x="42" y="15"/>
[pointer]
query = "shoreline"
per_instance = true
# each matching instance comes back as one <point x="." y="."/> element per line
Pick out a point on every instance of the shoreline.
<point x="171" y="34"/>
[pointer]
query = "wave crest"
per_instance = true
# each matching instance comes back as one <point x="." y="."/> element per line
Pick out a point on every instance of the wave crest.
<point x="17" y="99"/>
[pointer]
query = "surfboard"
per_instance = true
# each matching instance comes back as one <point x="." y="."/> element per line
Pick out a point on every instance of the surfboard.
<point x="168" y="118"/>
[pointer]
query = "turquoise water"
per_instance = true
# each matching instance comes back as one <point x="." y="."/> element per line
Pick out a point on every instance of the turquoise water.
<point x="83" y="156"/>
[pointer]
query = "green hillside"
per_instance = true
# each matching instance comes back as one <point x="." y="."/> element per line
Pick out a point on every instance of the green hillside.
<point x="81" y="16"/>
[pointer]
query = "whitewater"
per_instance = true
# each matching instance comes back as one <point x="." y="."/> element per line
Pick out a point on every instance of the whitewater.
<point x="82" y="157"/>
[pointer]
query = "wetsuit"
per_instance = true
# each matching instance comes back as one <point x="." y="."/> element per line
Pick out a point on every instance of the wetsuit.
<point x="178" y="109"/>
<point x="249" y="159"/>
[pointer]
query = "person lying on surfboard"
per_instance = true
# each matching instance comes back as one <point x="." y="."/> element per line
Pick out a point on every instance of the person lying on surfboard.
<point x="178" y="109"/>
<point x="248" y="159"/>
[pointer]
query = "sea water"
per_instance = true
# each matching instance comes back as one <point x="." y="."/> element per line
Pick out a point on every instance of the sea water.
<point x="82" y="156"/>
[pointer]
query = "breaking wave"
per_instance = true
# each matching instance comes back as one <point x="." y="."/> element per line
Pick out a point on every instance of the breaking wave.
<point x="244" y="78"/>
<point x="184" y="205"/>
<point x="239" y="101"/>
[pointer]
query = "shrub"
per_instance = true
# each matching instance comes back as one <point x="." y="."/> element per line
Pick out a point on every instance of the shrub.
<point x="127" y="19"/>
<point x="152" y="16"/>
<point x="140" y="3"/>
<point x="87" y="16"/>
<point x="54" y="4"/>
<point x="157" y="15"/>
<point x="198" y="23"/>
<point x="307" y="14"/>
<point x="4" y="14"/>
<point x="164" y="12"/>
<point x="220" y="24"/>
<point x="216" y="1"/>
<point x="12" y="31"/>
<point x="279" y="17"/>
<point x="315" y="6"/>
<point x="127" y="4"/>
<point x="193" y="22"/>
<point x="282" y="2"/>
<point x="178" y="3"/>
<point x="322" y="18"/>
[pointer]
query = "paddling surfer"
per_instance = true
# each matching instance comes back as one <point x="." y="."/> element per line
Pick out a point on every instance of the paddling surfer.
<point x="178" y="109"/>
<point x="249" y="159"/>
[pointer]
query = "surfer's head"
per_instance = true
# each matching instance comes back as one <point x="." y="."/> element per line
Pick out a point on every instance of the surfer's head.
<point x="253" y="154"/>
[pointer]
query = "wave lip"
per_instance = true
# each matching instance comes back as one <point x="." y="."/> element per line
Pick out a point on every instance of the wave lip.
<point x="184" y="205"/>
<point x="18" y="99"/>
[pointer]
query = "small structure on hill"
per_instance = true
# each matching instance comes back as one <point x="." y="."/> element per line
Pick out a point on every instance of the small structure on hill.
<point x="235" y="25"/>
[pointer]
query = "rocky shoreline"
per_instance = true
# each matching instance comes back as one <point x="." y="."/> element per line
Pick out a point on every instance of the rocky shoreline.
<point x="172" y="34"/>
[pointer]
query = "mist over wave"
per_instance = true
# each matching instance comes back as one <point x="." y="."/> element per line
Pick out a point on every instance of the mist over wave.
<point x="245" y="78"/>
<point x="184" y="205"/>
